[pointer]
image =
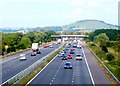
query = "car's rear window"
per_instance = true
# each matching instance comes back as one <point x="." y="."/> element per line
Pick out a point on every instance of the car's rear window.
<point x="78" y="55"/>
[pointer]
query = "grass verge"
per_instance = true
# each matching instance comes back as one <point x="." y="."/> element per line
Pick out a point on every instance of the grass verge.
<point x="112" y="67"/>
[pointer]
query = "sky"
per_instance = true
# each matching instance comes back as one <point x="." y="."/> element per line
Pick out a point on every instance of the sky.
<point x="40" y="13"/>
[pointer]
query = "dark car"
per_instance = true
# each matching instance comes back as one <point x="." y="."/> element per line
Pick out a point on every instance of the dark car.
<point x="71" y="51"/>
<point x="68" y="65"/>
<point x="64" y="58"/>
<point x="38" y="52"/>
<point x="64" y="50"/>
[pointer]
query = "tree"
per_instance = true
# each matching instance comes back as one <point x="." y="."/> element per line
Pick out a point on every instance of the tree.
<point x="102" y="39"/>
<point x="24" y="43"/>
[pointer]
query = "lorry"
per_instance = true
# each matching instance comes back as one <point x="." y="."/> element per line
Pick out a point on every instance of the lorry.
<point x="35" y="47"/>
<point x="59" y="41"/>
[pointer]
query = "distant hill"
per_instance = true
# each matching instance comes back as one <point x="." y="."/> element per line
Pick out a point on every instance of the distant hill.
<point x="88" y="25"/>
<point x="85" y="25"/>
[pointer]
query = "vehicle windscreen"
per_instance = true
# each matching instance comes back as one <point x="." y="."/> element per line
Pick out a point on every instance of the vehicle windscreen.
<point x="78" y="55"/>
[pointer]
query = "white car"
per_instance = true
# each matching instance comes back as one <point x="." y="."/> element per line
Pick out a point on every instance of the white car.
<point x="51" y="46"/>
<point x="79" y="46"/>
<point x="22" y="57"/>
<point x="62" y="53"/>
<point x="78" y="56"/>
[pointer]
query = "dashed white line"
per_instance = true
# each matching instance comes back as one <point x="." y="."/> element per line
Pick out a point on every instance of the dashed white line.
<point x="56" y="73"/>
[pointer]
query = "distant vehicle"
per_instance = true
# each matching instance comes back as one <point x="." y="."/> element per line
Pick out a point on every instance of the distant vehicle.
<point x="68" y="65"/>
<point x="74" y="45"/>
<point x="51" y="46"/>
<point x="22" y="57"/>
<point x="78" y="56"/>
<point x="60" y="55"/>
<point x="45" y="46"/>
<point x="33" y="54"/>
<point x="74" y="41"/>
<point x="71" y="51"/>
<point x="59" y="41"/>
<point x="79" y="46"/>
<point x="64" y="50"/>
<point x="38" y="52"/>
<point x="69" y="57"/>
<point x="35" y="46"/>
<point x="64" y="58"/>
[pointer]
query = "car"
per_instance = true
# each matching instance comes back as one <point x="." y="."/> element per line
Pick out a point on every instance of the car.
<point x="33" y="54"/>
<point x="64" y="57"/>
<point x="71" y="51"/>
<point x="45" y="46"/>
<point x="78" y="56"/>
<point x="69" y="57"/>
<point x="68" y="65"/>
<point x="75" y="45"/>
<point x="51" y="46"/>
<point x="60" y="55"/>
<point x="79" y="46"/>
<point x="22" y="57"/>
<point x="38" y="52"/>
<point x="66" y="48"/>
<point x="64" y="51"/>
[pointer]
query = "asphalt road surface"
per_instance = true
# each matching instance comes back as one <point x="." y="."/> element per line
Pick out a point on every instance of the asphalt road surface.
<point x="55" y="73"/>
<point x="13" y="66"/>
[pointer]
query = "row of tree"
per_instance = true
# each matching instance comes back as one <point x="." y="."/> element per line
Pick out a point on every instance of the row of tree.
<point x="105" y="38"/>
<point x="12" y="42"/>
<point x="112" y="34"/>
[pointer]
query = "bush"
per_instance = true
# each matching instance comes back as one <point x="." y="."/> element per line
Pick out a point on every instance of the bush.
<point x="104" y="48"/>
<point x="110" y="57"/>
<point x="92" y="44"/>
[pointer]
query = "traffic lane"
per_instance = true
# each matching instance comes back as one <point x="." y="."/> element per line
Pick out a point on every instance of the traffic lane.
<point x="78" y="75"/>
<point x="24" y="64"/>
<point x="28" y="56"/>
<point x="12" y="57"/>
<point x="16" y="68"/>
<point x="99" y="76"/>
<point x="48" y="73"/>
<point x="64" y="76"/>
<point x="81" y="74"/>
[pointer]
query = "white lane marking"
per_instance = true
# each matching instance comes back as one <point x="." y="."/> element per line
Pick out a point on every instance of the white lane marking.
<point x="88" y="68"/>
<point x="40" y="71"/>
<point x="73" y="71"/>
<point x="54" y="77"/>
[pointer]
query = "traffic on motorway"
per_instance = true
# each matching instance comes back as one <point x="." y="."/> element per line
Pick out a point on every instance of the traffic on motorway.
<point x="68" y="67"/>
<point x="13" y="66"/>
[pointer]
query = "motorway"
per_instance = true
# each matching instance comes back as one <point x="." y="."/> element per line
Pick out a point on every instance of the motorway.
<point x="13" y="66"/>
<point x="55" y="73"/>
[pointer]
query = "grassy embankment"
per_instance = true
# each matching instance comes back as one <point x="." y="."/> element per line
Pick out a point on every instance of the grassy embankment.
<point x="113" y="65"/>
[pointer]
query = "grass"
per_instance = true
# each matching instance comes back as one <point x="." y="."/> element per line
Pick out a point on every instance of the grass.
<point x="112" y="66"/>
<point x="27" y="78"/>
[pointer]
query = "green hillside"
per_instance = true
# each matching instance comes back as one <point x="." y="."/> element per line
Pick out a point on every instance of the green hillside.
<point x="89" y="25"/>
